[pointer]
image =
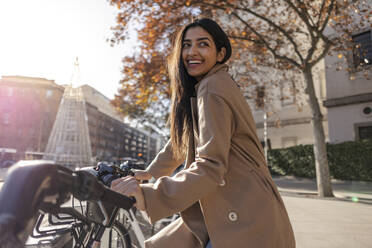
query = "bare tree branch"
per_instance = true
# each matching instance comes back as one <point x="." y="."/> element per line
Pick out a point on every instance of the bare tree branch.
<point x="305" y="13"/>
<point x="284" y="32"/>
<point x="289" y="60"/>
<point x="320" y="13"/>
<point x="323" y="54"/>
<point x="245" y="39"/>
<point x="329" y="13"/>
<point x="303" y="18"/>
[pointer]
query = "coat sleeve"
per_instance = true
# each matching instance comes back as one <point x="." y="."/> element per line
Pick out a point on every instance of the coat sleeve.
<point x="169" y="195"/>
<point x="164" y="163"/>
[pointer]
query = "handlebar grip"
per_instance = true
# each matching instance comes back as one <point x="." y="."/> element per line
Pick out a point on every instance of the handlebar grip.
<point x="118" y="199"/>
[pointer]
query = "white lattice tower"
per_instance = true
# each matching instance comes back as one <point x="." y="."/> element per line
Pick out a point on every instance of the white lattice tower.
<point x="69" y="142"/>
<point x="75" y="76"/>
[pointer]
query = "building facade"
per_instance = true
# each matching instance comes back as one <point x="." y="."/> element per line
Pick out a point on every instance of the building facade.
<point x="28" y="109"/>
<point x="289" y="124"/>
<point x="110" y="138"/>
<point x="349" y="92"/>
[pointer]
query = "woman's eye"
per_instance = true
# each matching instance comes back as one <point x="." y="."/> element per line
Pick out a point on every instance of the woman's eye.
<point x="204" y="44"/>
<point x="185" y="45"/>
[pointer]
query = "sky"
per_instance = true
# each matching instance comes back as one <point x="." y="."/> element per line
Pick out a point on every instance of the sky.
<point x="42" y="38"/>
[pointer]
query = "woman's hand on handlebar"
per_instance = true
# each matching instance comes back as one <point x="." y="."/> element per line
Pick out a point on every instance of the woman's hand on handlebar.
<point x="129" y="186"/>
<point x="142" y="175"/>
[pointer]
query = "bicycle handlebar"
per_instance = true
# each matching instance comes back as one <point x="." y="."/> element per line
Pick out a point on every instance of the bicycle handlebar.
<point x="31" y="183"/>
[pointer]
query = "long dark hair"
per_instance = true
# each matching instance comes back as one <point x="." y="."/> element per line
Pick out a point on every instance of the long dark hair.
<point x="182" y="84"/>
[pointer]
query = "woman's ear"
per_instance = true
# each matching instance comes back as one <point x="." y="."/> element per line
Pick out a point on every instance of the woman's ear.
<point x="221" y="54"/>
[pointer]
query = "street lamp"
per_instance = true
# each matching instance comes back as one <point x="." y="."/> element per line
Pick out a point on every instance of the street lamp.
<point x="260" y="103"/>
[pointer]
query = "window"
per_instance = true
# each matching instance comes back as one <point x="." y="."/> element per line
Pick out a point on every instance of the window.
<point x="288" y="94"/>
<point x="6" y="118"/>
<point x="260" y="97"/>
<point x="22" y="92"/>
<point x="365" y="132"/>
<point x="366" y="110"/>
<point x="10" y="91"/>
<point x="32" y="132"/>
<point x="3" y="91"/>
<point x="362" y="52"/>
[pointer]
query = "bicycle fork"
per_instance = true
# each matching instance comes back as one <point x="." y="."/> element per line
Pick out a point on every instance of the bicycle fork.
<point x="136" y="228"/>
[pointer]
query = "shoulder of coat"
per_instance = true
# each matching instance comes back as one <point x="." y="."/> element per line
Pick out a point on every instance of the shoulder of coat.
<point x="219" y="83"/>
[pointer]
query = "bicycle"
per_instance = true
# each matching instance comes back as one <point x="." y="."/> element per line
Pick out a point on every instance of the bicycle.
<point x="46" y="186"/>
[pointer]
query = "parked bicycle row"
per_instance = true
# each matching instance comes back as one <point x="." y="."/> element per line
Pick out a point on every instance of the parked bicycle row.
<point x="78" y="207"/>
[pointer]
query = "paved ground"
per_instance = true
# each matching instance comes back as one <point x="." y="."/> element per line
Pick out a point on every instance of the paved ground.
<point x="347" y="190"/>
<point x="330" y="223"/>
<point x="341" y="222"/>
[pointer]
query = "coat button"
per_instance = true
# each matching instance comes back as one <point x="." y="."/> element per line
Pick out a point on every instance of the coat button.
<point x="233" y="216"/>
<point x="223" y="183"/>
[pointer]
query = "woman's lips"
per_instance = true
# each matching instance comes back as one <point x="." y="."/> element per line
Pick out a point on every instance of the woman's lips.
<point x="194" y="64"/>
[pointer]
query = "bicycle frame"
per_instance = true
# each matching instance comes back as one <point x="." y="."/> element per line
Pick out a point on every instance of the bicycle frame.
<point x="88" y="229"/>
<point x="76" y="225"/>
<point x="45" y="186"/>
<point x="136" y="228"/>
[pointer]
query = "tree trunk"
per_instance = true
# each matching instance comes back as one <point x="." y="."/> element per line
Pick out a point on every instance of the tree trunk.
<point x="320" y="148"/>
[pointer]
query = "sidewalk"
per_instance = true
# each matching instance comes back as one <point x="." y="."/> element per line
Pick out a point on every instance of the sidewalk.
<point x="344" y="221"/>
<point x="356" y="191"/>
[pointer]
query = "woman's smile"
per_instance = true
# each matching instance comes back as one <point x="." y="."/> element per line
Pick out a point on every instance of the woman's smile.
<point x="193" y="63"/>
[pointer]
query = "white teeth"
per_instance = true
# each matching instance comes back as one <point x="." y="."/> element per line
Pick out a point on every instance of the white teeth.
<point x="194" y="62"/>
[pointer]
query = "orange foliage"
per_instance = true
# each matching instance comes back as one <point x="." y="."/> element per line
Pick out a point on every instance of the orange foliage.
<point x="263" y="29"/>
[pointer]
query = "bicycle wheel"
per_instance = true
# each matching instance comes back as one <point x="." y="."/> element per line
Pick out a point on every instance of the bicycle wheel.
<point x="116" y="237"/>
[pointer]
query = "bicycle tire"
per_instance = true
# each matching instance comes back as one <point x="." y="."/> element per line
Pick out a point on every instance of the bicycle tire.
<point x="120" y="240"/>
<point x="123" y="235"/>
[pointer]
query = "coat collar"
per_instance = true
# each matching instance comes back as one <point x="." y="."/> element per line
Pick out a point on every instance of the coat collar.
<point x="215" y="69"/>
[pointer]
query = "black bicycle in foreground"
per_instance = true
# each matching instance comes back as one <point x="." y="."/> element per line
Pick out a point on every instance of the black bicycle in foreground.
<point x="35" y="188"/>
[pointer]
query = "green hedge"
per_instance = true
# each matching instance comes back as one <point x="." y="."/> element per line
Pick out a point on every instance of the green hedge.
<point x="347" y="161"/>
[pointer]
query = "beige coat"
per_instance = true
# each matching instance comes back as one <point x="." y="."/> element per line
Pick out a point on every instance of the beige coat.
<point x="225" y="191"/>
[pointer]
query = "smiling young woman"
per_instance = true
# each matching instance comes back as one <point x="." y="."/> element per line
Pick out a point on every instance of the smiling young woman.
<point x="225" y="194"/>
<point x="199" y="53"/>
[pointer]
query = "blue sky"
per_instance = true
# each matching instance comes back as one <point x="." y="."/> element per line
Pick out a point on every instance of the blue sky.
<point x="42" y="38"/>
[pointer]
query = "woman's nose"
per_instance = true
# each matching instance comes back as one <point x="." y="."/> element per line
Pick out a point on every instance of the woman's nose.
<point x="192" y="50"/>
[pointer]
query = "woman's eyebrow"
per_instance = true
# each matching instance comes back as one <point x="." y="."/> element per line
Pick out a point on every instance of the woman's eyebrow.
<point x="202" y="38"/>
<point x="198" y="39"/>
